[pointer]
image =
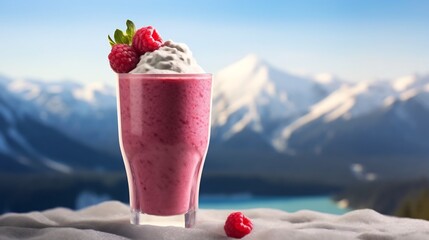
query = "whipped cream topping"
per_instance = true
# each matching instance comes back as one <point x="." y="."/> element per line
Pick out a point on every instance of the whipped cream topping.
<point x="170" y="58"/>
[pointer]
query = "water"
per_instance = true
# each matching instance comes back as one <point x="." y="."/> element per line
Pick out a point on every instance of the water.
<point x="289" y="204"/>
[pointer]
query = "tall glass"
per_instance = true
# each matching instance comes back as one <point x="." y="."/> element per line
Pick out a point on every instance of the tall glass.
<point x="164" y="129"/>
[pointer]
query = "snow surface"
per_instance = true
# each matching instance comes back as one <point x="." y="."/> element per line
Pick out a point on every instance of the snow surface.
<point x="110" y="221"/>
<point x="88" y="198"/>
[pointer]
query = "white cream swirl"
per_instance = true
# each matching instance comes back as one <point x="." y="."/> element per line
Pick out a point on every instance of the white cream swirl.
<point x="170" y="58"/>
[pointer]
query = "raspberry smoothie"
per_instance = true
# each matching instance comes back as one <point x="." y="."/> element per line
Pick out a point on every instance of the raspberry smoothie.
<point x="164" y="101"/>
<point x="164" y="127"/>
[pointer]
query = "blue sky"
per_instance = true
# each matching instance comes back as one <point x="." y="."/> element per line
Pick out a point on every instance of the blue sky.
<point x="355" y="39"/>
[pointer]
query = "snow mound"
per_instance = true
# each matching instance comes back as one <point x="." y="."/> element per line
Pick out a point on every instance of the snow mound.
<point x="110" y="221"/>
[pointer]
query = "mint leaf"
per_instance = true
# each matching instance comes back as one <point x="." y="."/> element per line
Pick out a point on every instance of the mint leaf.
<point x="119" y="36"/>
<point x="131" y="29"/>
<point x="110" y="40"/>
<point x="125" y="39"/>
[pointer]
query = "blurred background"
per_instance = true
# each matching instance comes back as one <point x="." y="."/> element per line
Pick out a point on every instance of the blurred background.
<point x="320" y="105"/>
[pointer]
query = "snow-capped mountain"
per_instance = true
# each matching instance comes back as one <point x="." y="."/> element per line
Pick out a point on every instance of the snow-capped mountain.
<point x="251" y="94"/>
<point x="265" y="121"/>
<point x="355" y="101"/>
<point x="270" y="121"/>
<point x="75" y="109"/>
<point x="30" y="145"/>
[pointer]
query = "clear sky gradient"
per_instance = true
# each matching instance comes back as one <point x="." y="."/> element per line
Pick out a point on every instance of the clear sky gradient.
<point x="354" y="39"/>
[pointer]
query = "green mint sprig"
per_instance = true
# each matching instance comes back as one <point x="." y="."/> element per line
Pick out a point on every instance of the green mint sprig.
<point x="121" y="37"/>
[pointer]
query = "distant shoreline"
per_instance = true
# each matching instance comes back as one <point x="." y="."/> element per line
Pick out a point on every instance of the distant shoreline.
<point x="29" y="192"/>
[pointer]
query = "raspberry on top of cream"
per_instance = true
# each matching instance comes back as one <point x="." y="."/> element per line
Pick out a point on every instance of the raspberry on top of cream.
<point x="143" y="51"/>
<point x="170" y="58"/>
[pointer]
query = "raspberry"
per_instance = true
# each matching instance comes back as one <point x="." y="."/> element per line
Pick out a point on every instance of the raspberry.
<point x="237" y="225"/>
<point x="128" y="46"/>
<point x="123" y="58"/>
<point x="146" y="39"/>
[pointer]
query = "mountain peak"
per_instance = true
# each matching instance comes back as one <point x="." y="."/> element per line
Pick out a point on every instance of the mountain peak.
<point x="324" y="78"/>
<point x="246" y="65"/>
<point x="251" y="58"/>
<point x="251" y="88"/>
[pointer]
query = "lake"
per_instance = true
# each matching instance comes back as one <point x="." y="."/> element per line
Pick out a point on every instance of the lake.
<point x="289" y="204"/>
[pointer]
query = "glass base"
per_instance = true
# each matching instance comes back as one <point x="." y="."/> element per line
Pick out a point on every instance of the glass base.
<point x="186" y="220"/>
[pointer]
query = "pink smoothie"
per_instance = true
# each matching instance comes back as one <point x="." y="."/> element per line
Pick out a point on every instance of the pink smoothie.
<point x="164" y="132"/>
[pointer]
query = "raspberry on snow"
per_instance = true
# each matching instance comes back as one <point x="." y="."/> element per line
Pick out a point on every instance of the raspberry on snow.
<point x="237" y="225"/>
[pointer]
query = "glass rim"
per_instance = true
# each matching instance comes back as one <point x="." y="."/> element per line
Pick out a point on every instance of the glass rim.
<point x="166" y="75"/>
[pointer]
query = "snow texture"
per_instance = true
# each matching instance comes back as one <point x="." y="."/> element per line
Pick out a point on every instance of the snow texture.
<point x="109" y="220"/>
